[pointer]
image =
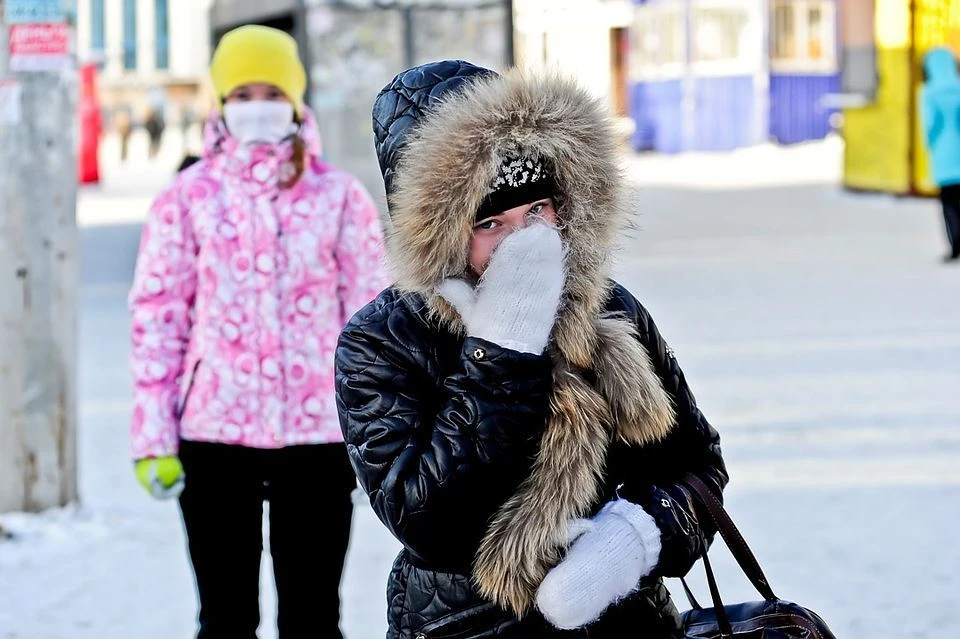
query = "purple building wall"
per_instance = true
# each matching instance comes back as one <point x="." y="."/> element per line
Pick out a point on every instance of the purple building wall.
<point x="723" y="117"/>
<point x="795" y="111"/>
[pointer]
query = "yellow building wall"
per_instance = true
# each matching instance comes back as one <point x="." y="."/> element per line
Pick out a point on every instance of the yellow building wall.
<point x="937" y="24"/>
<point x="878" y="144"/>
<point x="877" y="136"/>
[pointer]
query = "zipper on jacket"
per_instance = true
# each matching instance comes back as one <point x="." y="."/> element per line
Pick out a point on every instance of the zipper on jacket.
<point x="279" y="256"/>
<point x="186" y="395"/>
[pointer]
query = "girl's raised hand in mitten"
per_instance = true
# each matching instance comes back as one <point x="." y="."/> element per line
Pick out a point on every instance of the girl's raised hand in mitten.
<point x="516" y="303"/>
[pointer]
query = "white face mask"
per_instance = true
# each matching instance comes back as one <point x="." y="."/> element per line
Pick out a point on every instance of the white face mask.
<point x="259" y="120"/>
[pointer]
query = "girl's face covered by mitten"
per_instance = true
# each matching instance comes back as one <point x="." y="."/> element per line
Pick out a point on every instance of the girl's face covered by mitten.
<point x="490" y="231"/>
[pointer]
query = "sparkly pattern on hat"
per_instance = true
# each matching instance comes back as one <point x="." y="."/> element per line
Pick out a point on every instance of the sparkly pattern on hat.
<point x="519" y="180"/>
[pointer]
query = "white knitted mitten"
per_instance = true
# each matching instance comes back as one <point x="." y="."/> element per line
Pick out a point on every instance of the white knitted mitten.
<point x="516" y="303"/>
<point x="604" y="564"/>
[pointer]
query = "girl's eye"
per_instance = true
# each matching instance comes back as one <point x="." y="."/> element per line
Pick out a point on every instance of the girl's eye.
<point x="537" y="208"/>
<point x="487" y="225"/>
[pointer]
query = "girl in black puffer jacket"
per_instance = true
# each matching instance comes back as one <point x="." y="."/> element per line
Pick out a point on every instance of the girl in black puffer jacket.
<point x="513" y="414"/>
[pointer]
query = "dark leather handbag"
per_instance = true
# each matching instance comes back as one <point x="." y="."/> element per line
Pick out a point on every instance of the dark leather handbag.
<point x="772" y="618"/>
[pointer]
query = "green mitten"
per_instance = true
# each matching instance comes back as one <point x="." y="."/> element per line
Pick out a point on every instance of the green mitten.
<point x="162" y="477"/>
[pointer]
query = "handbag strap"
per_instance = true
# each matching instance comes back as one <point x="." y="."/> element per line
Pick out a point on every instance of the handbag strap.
<point x="690" y="597"/>
<point x="731" y="535"/>
<point x="723" y="620"/>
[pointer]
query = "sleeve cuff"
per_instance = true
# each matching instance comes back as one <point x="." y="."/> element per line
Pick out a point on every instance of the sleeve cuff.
<point x="643" y="524"/>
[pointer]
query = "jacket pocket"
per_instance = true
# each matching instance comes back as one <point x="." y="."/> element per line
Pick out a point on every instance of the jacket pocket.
<point x="477" y="622"/>
<point x="186" y="395"/>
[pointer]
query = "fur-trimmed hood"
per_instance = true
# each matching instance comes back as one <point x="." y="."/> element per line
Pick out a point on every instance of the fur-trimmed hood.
<point x="450" y="157"/>
<point x="442" y="132"/>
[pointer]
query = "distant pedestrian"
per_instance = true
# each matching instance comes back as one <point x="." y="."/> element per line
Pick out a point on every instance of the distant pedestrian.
<point x="123" y="125"/>
<point x="154" y="125"/>
<point x="940" y="98"/>
<point x="188" y="117"/>
<point x="251" y="262"/>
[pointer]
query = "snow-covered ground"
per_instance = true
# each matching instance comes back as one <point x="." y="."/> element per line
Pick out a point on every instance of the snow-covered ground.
<point x="818" y="329"/>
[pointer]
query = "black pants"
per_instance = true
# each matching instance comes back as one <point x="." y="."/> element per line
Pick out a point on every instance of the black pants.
<point x="310" y="513"/>
<point x="950" y="199"/>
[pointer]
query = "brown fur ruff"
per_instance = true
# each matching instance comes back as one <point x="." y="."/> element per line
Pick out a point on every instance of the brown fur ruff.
<point x="442" y="177"/>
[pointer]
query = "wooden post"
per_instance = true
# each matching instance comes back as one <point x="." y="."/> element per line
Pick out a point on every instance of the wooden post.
<point x="38" y="281"/>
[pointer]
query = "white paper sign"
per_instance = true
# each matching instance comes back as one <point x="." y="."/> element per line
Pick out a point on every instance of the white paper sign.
<point x="10" y="113"/>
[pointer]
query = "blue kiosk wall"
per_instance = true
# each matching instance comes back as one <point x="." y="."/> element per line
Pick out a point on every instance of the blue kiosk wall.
<point x="738" y="95"/>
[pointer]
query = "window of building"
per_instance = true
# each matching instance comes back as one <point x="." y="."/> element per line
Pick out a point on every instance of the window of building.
<point x="724" y="38"/>
<point x="130" y="34"/>
<point x="717" y="34"/>
<point x="783" y="45"/>
<point x="658" y="41"/>
<point x="97" y="26"/>
<point x="803" y="36"/>
<point x="816" y="32"/>
<point x="162" y="27"/>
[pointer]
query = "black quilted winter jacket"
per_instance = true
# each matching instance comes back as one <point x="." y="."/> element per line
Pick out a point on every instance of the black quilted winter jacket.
<point x="440" y="438"/>
<point x="467" y="449"/>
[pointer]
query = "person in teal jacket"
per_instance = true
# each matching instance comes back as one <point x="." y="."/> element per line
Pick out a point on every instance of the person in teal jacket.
<point x="940" y="104"/>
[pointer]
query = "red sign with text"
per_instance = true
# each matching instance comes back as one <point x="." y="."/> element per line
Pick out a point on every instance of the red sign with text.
<point x="39" y="47"/>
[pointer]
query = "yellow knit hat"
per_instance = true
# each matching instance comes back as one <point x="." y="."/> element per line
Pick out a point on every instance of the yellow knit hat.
<point x="252" y="54"/>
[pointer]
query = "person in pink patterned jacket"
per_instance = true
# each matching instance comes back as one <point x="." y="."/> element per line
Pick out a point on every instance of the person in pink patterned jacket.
<point x="250" y="264"/>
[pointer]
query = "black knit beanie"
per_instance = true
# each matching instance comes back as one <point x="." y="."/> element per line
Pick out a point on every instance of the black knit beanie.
<point x="519" y="180"/>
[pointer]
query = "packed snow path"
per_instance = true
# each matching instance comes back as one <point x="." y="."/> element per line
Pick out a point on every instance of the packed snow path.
<point x="818" y="330"/>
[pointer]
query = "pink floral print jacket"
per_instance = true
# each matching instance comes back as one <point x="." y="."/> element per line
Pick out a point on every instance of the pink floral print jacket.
<point x="240" y="292"/>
